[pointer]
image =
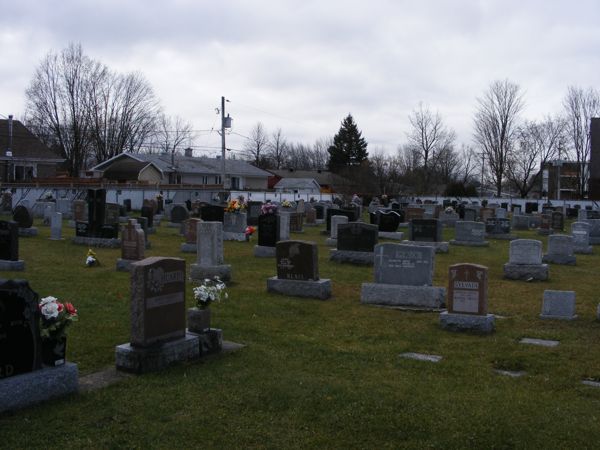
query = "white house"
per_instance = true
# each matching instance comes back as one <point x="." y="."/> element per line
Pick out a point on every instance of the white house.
<point x="298" y="186"/>
<point x="181" y="169"/>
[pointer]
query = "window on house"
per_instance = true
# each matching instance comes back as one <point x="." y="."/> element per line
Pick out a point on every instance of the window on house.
<point x="218" y="179"/>
<point x="205" y="179"/>
<point x="235" y="182"/>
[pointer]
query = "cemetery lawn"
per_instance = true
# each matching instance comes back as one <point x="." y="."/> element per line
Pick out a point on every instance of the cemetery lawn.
<point x="322" y="374"/>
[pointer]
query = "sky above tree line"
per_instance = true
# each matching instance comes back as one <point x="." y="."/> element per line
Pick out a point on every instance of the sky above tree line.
<point x="302" y="66"/>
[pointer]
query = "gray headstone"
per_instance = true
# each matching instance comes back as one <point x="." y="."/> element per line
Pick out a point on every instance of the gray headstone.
<point x="525" y="251"/>
<point x="467" y="231"/>
<point x="558" y="305"/>
<point x="209" y="243"/>
<point x="335" y="222"/>
<point x="133" y="241"/>
<point x="404" y="264"/>
<point x="284" y="226"/>
<point x="56" y="226"/>
<point x="234" y="222"/>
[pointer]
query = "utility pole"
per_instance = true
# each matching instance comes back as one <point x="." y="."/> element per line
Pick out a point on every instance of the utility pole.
<point x="225" y="123"/>
<point x="482" y="166"/>
<point x="223" y="142"/>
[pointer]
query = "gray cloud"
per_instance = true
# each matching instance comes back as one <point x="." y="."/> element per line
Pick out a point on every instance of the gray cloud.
<point x="303" y="65"/>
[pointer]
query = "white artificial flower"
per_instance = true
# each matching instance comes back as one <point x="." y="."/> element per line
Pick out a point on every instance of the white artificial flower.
<point x="48" y="299"/>
<point x="50" y="310"/>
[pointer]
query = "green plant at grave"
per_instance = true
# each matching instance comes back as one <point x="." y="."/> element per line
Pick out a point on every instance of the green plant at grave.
<point x="211" y="290"/>
<point x="55" y="317"/>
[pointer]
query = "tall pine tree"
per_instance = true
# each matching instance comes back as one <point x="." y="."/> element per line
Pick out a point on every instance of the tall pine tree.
<point x="349" y="148"/>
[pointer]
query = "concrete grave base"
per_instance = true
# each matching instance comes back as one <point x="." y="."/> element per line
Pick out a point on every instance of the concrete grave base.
<point x="428" y="297"/>
<point x="320" y="289"/>
<point x="470" y="243"/>
<point x="440" y="247"/>
<point x="583" y="250"/>
<point x="311" y="224"/>
<point x="350" y="257"/>
<point x="155" y="358"/>
<point x="188" y="248"/>
<point x="330" y="242"/>
<point x="467" y="322"/>
<point x="151" y="230"/>
<point x="28" y="232"/>
<point x="392" y="235"/>
<point x="262" y="251"/>
<point x="526" y="272"/>
<point x="15" y="266"/>
<point x="209" y="341"/>
<point x="320" y="221"/>
<point x="200" y="273"/>
<point x="566" y="260"/>
<point x="38" y="386"/>
<point x="123" y="219"/>
<point x="96" y="242"/>
<point x="231" y="236"/>
<point x="404" y="225"/>
<point x="174" y="224"/>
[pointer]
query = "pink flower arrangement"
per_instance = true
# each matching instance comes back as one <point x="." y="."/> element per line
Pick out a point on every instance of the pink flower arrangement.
<point x="55" y="317"/>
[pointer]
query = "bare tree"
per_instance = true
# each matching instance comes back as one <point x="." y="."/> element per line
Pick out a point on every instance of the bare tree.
<point x="379" y="166"/>
<point x="495" y="126"/>
<point x="469" y="166"/>
<point x="429" y="137"/>
<point x="320" y="155"/>
<point x="580" y="106"/>
<point x="256" y="146"/>
<point x="55" y="110"/>
<point x="277" y="149"/>
<point x="299" y="157"/>
<point x="172" y="134"/>
<point x="85" y="110"/>
<point x="537" y="144"/>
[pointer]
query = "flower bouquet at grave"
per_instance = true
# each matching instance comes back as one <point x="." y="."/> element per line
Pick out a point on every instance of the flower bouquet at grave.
<point x="268" y="208"/>
<point x="235" y="206"/>
<point x="55" y="319"/>
<point x="286" y="204"/>
<point x="91" y="259"/>
<point x="211" y="290"/>
<point x="249" y="232"/>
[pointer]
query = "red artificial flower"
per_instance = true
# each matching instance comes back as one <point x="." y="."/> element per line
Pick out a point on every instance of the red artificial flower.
<point x="60" y="306"/>
<point x="70" y="309"/>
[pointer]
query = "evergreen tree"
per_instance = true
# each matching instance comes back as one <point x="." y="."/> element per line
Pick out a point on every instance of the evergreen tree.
<point x="349" y="148"/>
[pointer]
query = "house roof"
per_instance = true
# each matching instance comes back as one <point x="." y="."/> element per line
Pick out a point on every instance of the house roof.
<point x="24" y="144"/>
<point x="297" y="183"/>
<point x="322" y="177"/>
<point x="184" y="164"/>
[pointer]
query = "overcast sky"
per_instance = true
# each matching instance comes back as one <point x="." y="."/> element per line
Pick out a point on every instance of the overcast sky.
<point x="302" y="66"/>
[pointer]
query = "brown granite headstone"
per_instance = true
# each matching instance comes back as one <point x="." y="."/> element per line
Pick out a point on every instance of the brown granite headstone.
<point x="79" y="211"/>
<point x="414" y="213"/>
<point x="157" y="301"/>
<point x="468" y="289"/>
<point x="297" y="260"/>
<point x="189" y="230"/>
<point x="486" y="213"/>
<point x="133" y="241"/>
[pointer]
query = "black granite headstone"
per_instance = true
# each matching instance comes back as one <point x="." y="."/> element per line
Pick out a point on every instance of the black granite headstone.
<point x="20" y="344"/>
<point x="9" y="241"/>
<point x="357" y="237"/>
<point x="127" y="204"/>
<point x="82" y="229"/>
<point x="389" y="221"/>
<point x="143" y="221"/>
<point x="558" y="221"/>
<point x="428" y="230"/>
<point x="497" y="226"/>
<point x="96" y="209"/>
<point x="268" y="230"/>
<point x="148" y="213"/>
<point x="297" y="260"/>
<point x="23" y="217"/>
<point x="531" y="207"/>
<point x="320" y="211"/>
<point x="212" y="213"/>
<point x="179" y="213"/>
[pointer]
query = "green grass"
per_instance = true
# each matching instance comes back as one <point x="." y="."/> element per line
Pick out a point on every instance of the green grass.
<point x="322" y="374"/>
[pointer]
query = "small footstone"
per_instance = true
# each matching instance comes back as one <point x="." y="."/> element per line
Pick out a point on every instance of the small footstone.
<point x="540" y="342"/>
<point x="510" y="373"/>
<point x="591" y="383"/>
<point x="421" y="357"/>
